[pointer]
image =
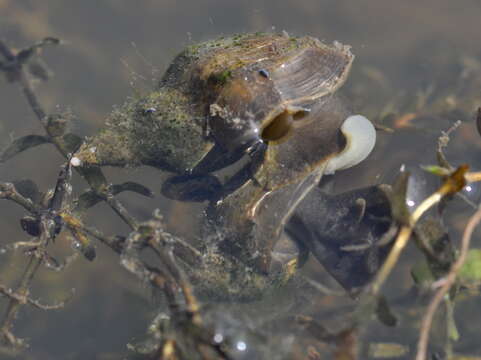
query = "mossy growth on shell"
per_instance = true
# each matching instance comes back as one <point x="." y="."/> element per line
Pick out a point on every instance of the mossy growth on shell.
<point x="158" y="129"/>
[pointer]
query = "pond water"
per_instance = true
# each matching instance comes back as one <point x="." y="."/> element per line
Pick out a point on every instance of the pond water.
<point x="419" y="58"/>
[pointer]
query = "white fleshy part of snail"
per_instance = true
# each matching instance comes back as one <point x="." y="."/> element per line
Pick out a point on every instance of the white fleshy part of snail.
<point x="75" y="161"/>
<point x="360" y="140"/>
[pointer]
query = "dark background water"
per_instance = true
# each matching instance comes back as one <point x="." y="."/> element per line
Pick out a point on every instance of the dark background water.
<point x="114" y="48"/>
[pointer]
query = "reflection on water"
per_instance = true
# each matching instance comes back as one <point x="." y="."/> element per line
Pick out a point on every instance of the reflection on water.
<point x="410" y="58"/>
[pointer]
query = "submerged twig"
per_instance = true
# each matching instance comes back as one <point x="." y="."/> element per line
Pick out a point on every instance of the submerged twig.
<point x="370" y="297"/>
<point x="21" y="244"/>
<point x="402" y="240"/>
<point x="8" y="191"/>
<point x="20" y="77"/>
<point x="15" y="304"/>
<point x="452" y="184"/>
<point x="24" y="299"/>
<point x="185" y="320"/>
<point x="443" y="143"/>
<point x="46" y="222"/>
<point x="447" y="282"/>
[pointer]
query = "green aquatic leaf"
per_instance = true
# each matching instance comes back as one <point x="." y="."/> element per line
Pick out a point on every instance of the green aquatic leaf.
<point x="387" y="350"/>
<point x="89" y="198"/>
<point x="133" y="187"/>
<point x="422" y="275"/>
<point x="471" y="269"/>
<point x="28" y="189"/>
<point x="71" y="142"/>
<point x="21" y="144"/>
<point x="400" y="211"/>
<point x="384" y="313"/>
<point x="436" y="170"/>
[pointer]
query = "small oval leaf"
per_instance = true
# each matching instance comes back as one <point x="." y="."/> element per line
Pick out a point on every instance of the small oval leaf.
<point x="28" y="189"/>
<point x="94" y="176"/>
<point x="57" y="124"/>
<point x="31" y="225"/>
<point x="195" y="188"/>
<point x="39" y="70"/>
<point x="89" y="198"/>
<point x="399" y="209"/>
<point x="71" y="142"/>
<point x="471" y="269"/>
<point x="22" y="144"/>
<point x="134" y="187"/>
<point x="384" y="313"/>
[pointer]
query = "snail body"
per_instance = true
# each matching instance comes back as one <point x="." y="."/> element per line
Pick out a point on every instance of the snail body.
<point x="269" y="97"/>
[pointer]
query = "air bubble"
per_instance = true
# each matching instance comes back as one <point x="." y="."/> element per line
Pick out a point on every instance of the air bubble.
<point x="410" y="203"/>
<point x="218" y="338"/>
<point x="420" y="184"/>
<point x="75" y="161"/>
<point x="76" y="245"/>
<point x="241" y="346"/>
<point x="472" y="192"/>
<point x="150" y="110"/>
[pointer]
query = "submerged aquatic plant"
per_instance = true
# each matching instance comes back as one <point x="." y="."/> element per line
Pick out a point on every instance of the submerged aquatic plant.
<point x="351" y="234"/>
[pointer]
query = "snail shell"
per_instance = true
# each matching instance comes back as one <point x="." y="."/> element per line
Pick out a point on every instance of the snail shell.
<point x="219" y="98"/>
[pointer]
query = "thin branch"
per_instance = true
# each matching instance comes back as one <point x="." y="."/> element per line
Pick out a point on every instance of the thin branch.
<point x="443" y="141"/>
<point x="24" y="299"/>
<point x="402" y="240"/>
<point x="369" y="298"/>
<point x="183" y="250"/>
<point x="41" y="114"/>
<point x="451" y="185"/>
<point x="113" y="242"/>
<point x="28" y="92"/>
<point x="167" y="258"/>
<point x="473" y="176"/>
<point x="52" y="264"/>
<point x="8" y="191"/>
<point x="447" y="282"/>
<point x="35" y="242"/>
<point x="121" y="211"/>
<point x="11" y="339"/>
<point x="14" y="304"/>
<point x="26" y="280"/>
<point x="324" y="289"/>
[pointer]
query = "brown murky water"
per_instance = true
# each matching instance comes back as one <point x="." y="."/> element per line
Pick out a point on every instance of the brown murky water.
<point x="115" y="48"/>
